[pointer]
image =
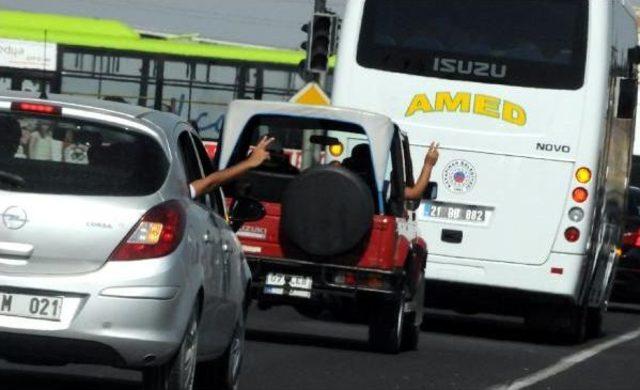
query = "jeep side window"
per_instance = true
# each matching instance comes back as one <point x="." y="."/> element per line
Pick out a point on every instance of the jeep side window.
<point x="408" y="163"/>
<point x="397" y="182"/>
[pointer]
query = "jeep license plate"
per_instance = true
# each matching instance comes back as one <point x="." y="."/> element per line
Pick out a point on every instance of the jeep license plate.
<point x="289" y="285"/>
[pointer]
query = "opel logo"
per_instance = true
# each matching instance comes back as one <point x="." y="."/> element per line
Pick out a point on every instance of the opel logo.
<point x="14" y="218"/>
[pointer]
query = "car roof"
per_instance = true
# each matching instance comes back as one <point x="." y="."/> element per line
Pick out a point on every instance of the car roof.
<point x="378" y="128"/>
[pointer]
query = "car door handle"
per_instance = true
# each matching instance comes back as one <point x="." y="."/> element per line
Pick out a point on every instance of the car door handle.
<point x="207" y="238"/>
<point x="226" y="248"/>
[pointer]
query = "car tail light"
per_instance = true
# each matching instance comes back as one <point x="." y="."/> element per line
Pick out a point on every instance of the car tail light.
<point x="632" y="239"/>
<point x="157" y="234"/>
<point x="36" y="108"/>
<point x="572" y="234"/>
<point x="580" y="195"/>
<point x="583" y="175"/>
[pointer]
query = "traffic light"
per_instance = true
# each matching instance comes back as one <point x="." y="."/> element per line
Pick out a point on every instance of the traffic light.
<point x="320" y="44"/>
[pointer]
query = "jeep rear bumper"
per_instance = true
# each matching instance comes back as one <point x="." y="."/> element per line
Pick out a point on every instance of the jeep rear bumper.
<point x="328" y="279"/>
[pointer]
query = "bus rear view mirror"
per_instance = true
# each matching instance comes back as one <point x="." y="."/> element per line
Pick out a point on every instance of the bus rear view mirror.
<point x="628" y="98"/>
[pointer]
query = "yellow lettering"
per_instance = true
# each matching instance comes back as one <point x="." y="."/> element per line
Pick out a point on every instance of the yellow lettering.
<point x="513" y="113"/>
<point x="419" y="103"/>
<point x="461" y="102"/>
<point x="487" y="106"/>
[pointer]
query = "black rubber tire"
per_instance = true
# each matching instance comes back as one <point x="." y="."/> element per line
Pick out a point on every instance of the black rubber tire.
<point x="575" y="331"/>
<point x="177" y="374"/>
<point x="387" y="326"/>
<point x="563" y="324"/>
<point x="327" y="211"/>
<point x="595" y="322"/>
<point x="410" y="333"/>
<point x="224" y="372"/>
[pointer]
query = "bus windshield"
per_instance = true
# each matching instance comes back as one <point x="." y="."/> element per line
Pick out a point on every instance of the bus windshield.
<point x="530" y="43"/>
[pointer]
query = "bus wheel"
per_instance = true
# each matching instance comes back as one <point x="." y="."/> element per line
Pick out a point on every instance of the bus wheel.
<point x="573" y="328"/>
<point x="595" y="319"/>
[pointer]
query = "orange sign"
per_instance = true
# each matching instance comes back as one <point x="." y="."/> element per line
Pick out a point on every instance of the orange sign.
<point x="311" y="95"/>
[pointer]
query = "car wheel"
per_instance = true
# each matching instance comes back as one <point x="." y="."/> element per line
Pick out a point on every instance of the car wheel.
<point x="224" y="372"/>
<point x="180" y="372"/>
<point x="386" y="327"/>
<point x="566" y="324"/>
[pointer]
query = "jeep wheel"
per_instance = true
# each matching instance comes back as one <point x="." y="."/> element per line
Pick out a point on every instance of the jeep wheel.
<point x="387" y="326"/>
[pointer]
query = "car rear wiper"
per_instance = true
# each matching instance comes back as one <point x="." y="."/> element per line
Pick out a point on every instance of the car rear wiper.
<point x="12" y="179"/>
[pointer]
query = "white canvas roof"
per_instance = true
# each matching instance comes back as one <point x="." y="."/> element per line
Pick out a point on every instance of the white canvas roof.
<point x="378" y="128"/>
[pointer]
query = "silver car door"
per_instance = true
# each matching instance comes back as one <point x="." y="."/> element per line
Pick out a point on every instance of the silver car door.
<point x="223" y="248"/>
<point x="206" y="237"/>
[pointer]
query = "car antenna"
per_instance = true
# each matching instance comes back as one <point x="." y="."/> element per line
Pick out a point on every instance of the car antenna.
<point x="43" y="82"/>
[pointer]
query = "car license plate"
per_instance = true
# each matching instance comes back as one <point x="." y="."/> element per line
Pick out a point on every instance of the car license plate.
<point x="457" y="212"/>
<point x="291" y="285"/>
<point x="31" y="306"/>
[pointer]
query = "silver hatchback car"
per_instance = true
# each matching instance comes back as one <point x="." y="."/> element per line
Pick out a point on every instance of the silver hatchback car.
<point x="104" y="257"/>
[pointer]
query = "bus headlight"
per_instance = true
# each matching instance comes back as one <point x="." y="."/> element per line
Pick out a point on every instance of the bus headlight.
<point x="576" y="214"/>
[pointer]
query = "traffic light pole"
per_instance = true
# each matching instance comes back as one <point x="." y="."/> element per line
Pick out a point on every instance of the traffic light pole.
<point x="321" y="6"/>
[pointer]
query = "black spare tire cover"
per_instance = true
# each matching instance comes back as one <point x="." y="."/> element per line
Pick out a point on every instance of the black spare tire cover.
<point x="327" y="211"/>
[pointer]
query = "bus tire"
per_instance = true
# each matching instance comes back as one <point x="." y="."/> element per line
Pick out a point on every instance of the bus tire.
<point x="574" y="327"/>
<point x="595" y="319"/>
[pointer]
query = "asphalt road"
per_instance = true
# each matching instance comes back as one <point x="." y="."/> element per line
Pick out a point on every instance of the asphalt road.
<point x="287" y="351"/>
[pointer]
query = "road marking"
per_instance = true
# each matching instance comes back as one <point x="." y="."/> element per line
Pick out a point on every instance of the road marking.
<point x="567" y="363"/>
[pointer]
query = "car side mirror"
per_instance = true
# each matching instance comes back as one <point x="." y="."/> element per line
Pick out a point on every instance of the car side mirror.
<point x="245" y="210"/>
<point x="431" y="192"/>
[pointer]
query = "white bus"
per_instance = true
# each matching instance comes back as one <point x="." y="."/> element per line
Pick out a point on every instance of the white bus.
<point x="533" y="102"/>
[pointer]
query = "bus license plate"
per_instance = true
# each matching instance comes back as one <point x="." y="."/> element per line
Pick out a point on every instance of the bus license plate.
<point x="456" y="212"/>
<point x="31" y="306"/>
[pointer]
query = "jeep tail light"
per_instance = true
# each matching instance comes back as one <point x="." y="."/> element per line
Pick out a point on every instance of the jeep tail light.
<point x="572" y="234"/>
<point x="157" y="234"/>
<point x="580" y="195"/>
<point x="35" y="108"/>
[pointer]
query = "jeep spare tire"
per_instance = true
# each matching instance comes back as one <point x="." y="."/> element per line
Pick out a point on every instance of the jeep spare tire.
<point x="327" y="211"/>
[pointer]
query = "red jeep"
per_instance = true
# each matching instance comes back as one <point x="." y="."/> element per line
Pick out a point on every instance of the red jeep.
<point x="337" y="229"/>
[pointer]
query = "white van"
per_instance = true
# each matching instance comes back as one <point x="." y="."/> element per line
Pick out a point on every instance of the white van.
<point x="533" y="102"/>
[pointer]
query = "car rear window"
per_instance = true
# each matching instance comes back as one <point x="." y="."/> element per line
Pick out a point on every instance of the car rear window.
<point x="53" y="155"/>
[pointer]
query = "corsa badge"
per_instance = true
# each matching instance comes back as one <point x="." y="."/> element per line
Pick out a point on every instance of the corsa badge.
<point x="459" y="176"/>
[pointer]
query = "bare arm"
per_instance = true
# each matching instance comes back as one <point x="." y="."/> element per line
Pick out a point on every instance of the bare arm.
<point x="257" y="157"/>
<point x="417" y="191"/>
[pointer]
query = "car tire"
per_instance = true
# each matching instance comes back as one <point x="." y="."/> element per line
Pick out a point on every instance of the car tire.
<point x="386" y="327"/>
<point x="224" y="372"/>
<point x="179" y="373"/>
